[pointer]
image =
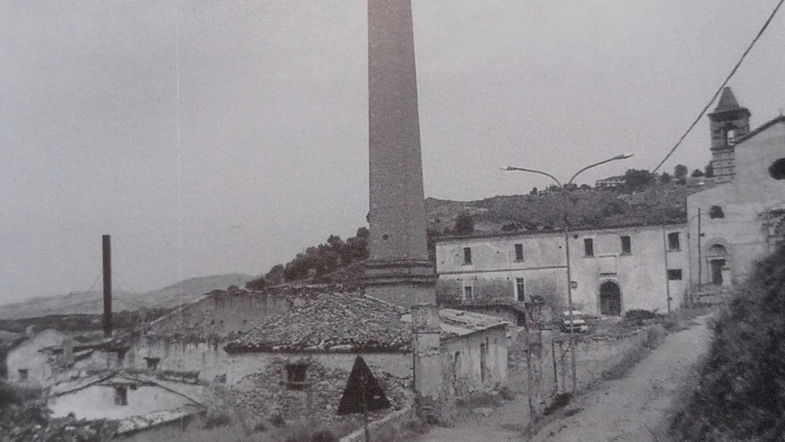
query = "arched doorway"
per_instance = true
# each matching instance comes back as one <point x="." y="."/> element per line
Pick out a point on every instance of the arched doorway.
<point x="718" y="263"/>
<point x="610" y="299"/>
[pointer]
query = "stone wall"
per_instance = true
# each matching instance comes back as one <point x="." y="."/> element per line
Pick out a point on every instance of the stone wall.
<point x="267" y="398"/>
<point x="595" y="355"/>
<point x="474" y="363"/>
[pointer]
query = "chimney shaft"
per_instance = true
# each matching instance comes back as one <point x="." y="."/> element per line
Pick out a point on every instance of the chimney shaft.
<point x="107" y="249"/>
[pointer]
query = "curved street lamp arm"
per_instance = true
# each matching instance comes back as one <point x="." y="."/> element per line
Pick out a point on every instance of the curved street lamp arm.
<point x="616" y="158"/>
<point x="522" y="169"/>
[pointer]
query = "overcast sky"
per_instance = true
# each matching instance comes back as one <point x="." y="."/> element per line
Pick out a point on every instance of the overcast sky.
<point x="272" y="153"/>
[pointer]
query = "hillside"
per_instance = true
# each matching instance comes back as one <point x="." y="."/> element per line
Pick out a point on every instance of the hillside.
<point x="90" y="302"/>
<point x="661" y="203"/>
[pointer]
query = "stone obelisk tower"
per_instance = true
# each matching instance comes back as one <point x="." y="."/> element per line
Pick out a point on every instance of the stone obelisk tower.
<point x="398" y="270"/>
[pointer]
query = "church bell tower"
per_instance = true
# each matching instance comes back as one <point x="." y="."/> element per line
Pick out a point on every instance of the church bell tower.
<point x="728" y="123"/>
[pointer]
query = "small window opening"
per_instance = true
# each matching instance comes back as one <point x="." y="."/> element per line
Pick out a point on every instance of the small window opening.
<point x="626" y="245"/>
<point x="152" y="363"/>
<point x="121" y="395"/>
<point x="716" y="212"/>
<point x="777" y="169"/>
<point x="467" y="292"/>
<point x="673" y="241"/>
<point x="23" y="374"/>
<point x="467" y="255"/>
<point x="295" y="376"/>
<point x="730" y="137"/>
<point x="674" y="275"/>
<point x="588" y="247"/>
<point x="518" y="252"/>
<point x="520" y="289"/>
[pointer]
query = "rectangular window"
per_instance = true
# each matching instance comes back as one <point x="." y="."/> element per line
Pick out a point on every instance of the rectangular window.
<point x="467" y="255"/>
<point x="626" y="245"/>
<point x="674" y="275"/>
<point x="295" y="376"/>
<point x="121" y="395"/>
<point x="588" y="247"/>
<point x="467" y="292"/>
<point x="520" y="289"/>
<point x="673" y="241"/>
<point x="22" y="374"/>
<point x="518" y="252"/>
<point x="152" y="363"/>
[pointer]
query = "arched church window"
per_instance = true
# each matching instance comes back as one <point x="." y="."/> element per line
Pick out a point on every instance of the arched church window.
<point x="717" y="251"/>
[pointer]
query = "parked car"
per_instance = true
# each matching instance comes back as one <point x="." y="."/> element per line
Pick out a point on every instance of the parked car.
<point x="578" y="324"/>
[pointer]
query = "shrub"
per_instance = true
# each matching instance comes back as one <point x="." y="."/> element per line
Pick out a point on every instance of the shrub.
<point x="217" y="419"/>
<point x="741" y="392"/>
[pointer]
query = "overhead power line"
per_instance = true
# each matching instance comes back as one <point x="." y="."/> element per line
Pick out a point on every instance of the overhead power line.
<point x="724" y="83"/>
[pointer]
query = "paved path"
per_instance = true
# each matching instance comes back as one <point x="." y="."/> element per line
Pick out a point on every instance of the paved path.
<point x="630" y="409"/>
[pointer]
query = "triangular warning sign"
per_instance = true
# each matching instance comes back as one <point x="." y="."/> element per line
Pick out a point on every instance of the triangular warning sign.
<point x="362" y="392"/>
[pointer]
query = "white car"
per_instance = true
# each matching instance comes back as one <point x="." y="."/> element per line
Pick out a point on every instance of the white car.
<point x="578" y="324"/>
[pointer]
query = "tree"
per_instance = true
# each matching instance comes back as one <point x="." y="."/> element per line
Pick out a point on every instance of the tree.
<point x="637" y="179"/>
<point x="680" y="171"/>
<point x="709" y="170"/>
<point x="533" y="191"/>
<point x="697" y="173"/>
<point x="464" y="224"/>
<point x="665" y="178"/>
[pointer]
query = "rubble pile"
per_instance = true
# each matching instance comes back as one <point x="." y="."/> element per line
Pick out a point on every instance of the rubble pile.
<point x="330" y="322"/>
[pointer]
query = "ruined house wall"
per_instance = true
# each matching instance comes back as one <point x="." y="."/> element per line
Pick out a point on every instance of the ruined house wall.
<point x="264" y="396"/>
<point x="213" y="363"/>
<point x="208" y="358"/>
<point x="477" y="362"/>
<point x="27" y="356"/>
<point x="98" y="402"/>
<point x="221" y="313"/>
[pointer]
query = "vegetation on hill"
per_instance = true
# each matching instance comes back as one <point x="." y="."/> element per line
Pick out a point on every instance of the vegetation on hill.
<point x="741" y="394"/>
<point x="319" y="261"/>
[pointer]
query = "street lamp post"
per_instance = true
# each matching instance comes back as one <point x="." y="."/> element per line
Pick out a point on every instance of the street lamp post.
<point x="566" y="228"/>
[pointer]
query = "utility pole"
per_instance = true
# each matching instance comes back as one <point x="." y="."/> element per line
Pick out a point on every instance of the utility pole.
<point x="569" y="301"/>
<point x="700" y="258"/>
<point x="107" y="259"/>
<point x="566" y="188"/>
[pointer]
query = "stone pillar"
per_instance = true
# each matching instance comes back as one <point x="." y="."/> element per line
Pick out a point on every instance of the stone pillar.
<point x="398" y="270"/>
<point x="427" y="360"/>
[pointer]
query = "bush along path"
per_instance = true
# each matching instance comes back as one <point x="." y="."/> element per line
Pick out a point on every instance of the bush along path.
<point x="636" y="406"/>
<point x="741" y="390"/>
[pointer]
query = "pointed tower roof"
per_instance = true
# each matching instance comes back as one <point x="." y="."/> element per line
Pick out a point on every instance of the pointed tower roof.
<point x="727" y="101"/>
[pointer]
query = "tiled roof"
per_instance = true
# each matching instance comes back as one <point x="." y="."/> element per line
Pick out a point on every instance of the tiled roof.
<point x="333" y="322"/>
<point x="350" y="322"/>
<point x="456" y="323"/>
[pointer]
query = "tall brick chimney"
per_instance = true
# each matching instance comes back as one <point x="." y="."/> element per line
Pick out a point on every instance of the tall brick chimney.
<point x="398" y="270"/>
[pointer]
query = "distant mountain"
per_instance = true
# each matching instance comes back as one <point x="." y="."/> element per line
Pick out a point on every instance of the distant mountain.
<point x="90" y="302"/>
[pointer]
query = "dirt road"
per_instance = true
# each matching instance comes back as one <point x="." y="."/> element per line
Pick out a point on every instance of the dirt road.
<point x="629" y="409"/>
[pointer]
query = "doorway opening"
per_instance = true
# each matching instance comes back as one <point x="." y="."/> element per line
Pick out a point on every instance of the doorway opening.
<point x="610" y="299"/>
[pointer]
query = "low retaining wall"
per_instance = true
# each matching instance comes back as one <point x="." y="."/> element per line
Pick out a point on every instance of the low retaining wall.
<point x="387" y="424"/>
